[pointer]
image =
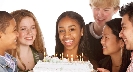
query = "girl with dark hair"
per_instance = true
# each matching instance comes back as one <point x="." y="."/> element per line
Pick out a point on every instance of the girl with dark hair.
<point x="119" y="58"/>
<point x="71" y="38"/>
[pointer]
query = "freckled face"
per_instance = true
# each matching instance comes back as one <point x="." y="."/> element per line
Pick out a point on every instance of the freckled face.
<point x="27" y="31"/>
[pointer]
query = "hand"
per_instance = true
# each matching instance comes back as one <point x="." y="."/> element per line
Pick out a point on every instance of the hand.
<point x="102" y="70"/>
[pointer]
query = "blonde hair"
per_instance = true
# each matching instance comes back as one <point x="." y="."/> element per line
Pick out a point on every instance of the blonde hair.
<point x="105" y="3"/>
<point x="38" y="43"/>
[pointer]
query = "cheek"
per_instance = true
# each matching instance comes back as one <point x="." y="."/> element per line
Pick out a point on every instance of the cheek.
<point x="21" y="35"/>
<point x="34" y="32"/>
<point x="60" y="37"/>
<point x="110" y="43"/>
<point x="77" y="36"/>
<point x="108" y="16"/>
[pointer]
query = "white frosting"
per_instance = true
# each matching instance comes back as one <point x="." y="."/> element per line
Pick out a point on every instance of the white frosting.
<point x="56" y="65"/>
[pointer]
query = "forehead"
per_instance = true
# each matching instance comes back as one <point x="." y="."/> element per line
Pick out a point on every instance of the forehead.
<point x="107" y="29"/>
<point x="66" y="21"/>
<point x="125" y="20"/>
<point x="27" y="21"/>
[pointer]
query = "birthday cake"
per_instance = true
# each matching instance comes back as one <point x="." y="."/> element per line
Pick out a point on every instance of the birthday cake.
<point x="54" y="64"/>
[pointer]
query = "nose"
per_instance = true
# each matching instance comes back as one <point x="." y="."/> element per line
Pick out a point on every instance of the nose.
<point x="121" y="34"/>
<point x="67" y="34"/>
<point x="29" y="31"/>
<point x="100" y="13"/>
<point x="102" y="40"/>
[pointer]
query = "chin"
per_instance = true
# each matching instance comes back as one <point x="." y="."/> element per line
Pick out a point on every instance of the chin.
<point x="14" y="47"/>
<point x="128" y="47"/>
<point x="105" y="53"/>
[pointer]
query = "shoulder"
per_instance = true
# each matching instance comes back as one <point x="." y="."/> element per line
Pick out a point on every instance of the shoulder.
<point x="13" y="58"/>
<point x="89" y="24"/>
<point x="105" y="61"/>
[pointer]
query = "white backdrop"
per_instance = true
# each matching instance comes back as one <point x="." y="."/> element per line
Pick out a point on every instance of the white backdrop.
<point x="47" y="12"/>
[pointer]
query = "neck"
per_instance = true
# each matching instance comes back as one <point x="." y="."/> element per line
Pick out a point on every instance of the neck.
<point x="70" y="52"/>
<point x="116" y="60"/>
<point x="2" y="50"/>
<point x="2" y="53"/>
<point x="98" y="29"/>
<point x="24" y="49"/>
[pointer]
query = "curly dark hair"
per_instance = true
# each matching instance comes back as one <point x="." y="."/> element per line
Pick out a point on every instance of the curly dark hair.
<point x="83" y="45"/>
<point x="127" y="9"/>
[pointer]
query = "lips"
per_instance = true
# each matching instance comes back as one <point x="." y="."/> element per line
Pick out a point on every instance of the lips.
<point x="100" y="19"/>
<point x="68" y="42"/>
<point x="28" y="38"/>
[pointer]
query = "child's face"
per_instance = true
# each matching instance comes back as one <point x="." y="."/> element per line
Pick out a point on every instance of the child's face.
<point x="69" y="33"/>
<point x="127" y="32"/>
<point x="27" y="31"/>
<point x="102" y="15"/>
<point x="10" y="35"/>
<point x="111" y="45"/>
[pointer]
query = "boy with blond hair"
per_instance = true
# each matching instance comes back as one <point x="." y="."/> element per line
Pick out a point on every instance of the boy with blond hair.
<point x="102" y="10"/>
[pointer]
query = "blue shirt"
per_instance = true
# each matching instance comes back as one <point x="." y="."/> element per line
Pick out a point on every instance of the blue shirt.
<point x="8" y="63"/>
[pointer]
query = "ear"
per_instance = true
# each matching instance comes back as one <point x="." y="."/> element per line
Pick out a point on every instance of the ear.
<point x="82" y="32"/>
<point x="116" y="10"/>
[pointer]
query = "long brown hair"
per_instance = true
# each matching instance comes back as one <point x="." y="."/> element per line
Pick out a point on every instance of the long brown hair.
<point x="38" y="43"/>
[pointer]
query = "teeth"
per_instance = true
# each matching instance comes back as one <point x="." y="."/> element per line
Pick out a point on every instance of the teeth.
<point x="68" y="40"/>
<point x="125" y="40"/>
<point x="104" y="47"/>
<point x="29" y="38"/>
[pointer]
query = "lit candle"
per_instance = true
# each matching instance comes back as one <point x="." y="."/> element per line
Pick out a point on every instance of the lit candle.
<point x="44" y="54"/>
<point x="62" y="55"/>
<point x="80" y="58"/>
<point x="44" y="57"/>
<point x="67" y="57"/>
<point x="56" y="55"/>
<point x="71" y="57"/>
<point x="77" y="56"/>
<point x="82" y="54"/>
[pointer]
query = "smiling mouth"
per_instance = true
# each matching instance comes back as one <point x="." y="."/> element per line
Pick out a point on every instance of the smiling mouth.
<point x="68" y="42"/>
<point x="29" y="38"/>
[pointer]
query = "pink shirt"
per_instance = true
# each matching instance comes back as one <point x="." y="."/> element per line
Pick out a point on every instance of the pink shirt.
<point x="130" y="67"/>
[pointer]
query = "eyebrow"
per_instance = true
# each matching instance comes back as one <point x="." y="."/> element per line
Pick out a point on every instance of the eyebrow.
<point x="26" y="26"/>
<point x="68" y="26"/>
<point x="107" y="8"/>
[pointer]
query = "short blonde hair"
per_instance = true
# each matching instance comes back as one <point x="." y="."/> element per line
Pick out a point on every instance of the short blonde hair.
<point x="105" y="3"/>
